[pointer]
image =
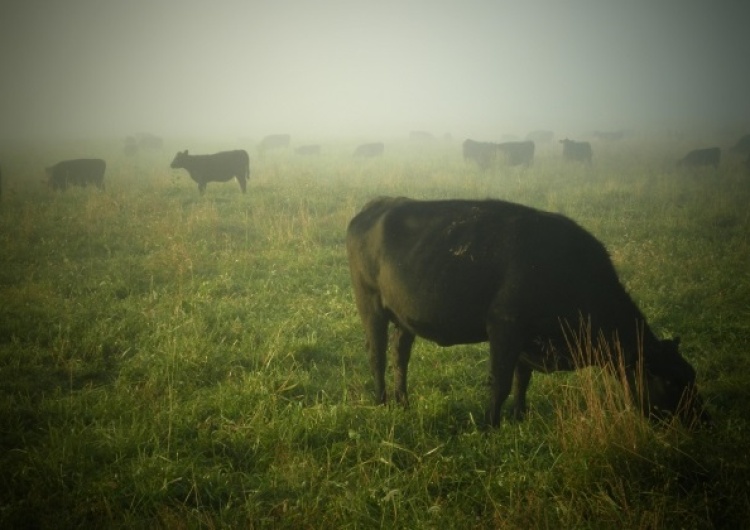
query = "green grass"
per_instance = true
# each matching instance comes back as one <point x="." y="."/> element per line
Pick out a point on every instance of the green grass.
<point x="175" y="361"/>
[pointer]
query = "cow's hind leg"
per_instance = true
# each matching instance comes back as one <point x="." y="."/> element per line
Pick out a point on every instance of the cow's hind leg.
<point x="402" y="343"/>
<point x="376" y="329"/>
<point x="375" y="323"/>
<point x="243" y="183"/>
<point x="522" y="380"/>
<point x="505" y="348"/>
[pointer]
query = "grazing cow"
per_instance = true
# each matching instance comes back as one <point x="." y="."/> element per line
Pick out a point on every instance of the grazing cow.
<point x="460" y="271"/>
<point x="577" y="151"/>
<point x="76" y="172"/>
<point x="541" y="137"/>
<point x="369" y="150"/>
<point x="517" y="153"/>
<point x="275" y="141"/>
<point x="482" y="153"/>
<point x="218" y="167"/>
<point x="742" y="147"/>
<point x="701" y="157"/>
<point x="308" y="150"/>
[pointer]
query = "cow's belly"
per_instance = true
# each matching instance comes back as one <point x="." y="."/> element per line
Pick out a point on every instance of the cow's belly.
<point x="438" y="321"/>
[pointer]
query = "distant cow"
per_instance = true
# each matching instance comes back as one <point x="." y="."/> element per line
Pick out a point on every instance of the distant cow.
<point x="609" y="136"/>
<point x="460" y="272"/>
<point x="131" y="146"/>
<point x="701" y="157"/>
<point x="517" y="153"/>
<point x="369" y="150"/>
<point x="423" y="137"/>
<point x="145" y="141"/>
<point x="308" y="150"/>
<point x="742" y="147"/>
<point x="218" y="167"/>
<point x="541" y="137"/>
<point x="577" y="151"/>
<point x="150" y="141"/>
<point x="76" y="172"/>
<point x="275" y="141"/>
<point x="483" y="154"/>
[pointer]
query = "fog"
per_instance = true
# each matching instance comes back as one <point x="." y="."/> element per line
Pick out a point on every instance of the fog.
<point x="315" y="69"/>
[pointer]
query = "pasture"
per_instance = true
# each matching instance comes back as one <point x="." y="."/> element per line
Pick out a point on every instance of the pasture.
<point x="171" y="360"/>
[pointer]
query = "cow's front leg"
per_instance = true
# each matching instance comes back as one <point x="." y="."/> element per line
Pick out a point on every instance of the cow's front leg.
<point x="505" y="349"/>
<point x="402" y="343"/>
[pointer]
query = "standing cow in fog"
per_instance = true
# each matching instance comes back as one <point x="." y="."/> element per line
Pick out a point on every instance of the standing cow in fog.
<point x="576" y="151"/>
<point x="742" y="147"/>
<point x="517" y="153"/>
<point x="459" y="272"/>
<point x="701" y="157"/>
<point x="219" y="167"/>
<point x="76" y="172"/>
<point x="482" y="153"/>
<point x="369" y="150"/>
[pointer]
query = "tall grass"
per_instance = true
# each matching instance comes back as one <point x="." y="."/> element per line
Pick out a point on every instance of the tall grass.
<point x="170" y="360"/>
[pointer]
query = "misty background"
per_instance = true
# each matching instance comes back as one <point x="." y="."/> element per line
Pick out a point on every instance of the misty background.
<point x="316" y="69"/>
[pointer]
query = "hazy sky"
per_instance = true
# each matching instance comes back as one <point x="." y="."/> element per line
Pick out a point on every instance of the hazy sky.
<point x="320" y="68"/>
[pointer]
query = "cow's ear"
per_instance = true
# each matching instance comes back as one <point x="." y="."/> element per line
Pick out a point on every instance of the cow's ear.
<point x="185" y="152"/>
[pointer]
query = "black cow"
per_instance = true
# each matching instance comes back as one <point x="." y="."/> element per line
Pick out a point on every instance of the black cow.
<point x="577" y="151"/>
<point x="218" y="167"/>
<point x="482" y="153"/>
<point x="517" y="153"/>
<point x="458" y="272"/>
<point x="275" y="141"/>
<point x="701" y="157"/>
<point x="742" y="147"/>
<point x="369" y="150"/>
<point x="308" y="150"/>
<point x="76" y="172"/>
<point x="541" y="137"/>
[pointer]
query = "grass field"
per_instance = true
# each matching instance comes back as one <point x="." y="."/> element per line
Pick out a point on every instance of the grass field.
<point x="176" y="361"/>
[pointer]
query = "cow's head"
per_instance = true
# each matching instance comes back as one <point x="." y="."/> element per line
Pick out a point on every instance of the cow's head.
<point x="179" y="159"/>
<point x="670" y="389"/>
